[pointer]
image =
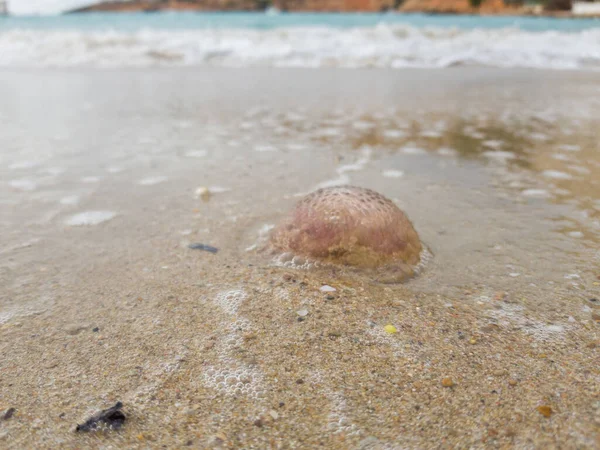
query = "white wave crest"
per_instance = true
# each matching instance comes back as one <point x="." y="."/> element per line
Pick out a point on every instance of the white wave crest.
<point x="381" y="46"/>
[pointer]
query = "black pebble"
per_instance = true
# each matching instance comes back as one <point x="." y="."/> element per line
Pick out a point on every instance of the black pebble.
<point x="95" y="330"/>
<point x="111" y="417"/>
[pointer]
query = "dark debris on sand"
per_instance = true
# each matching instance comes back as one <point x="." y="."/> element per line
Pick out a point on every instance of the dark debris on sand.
<point x="112" y="418"/>
<point x="206" y="248"/>
<point x="9" y="413"/>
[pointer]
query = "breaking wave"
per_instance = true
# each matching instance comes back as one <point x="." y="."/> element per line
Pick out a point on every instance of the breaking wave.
<point x="391" y="46"/>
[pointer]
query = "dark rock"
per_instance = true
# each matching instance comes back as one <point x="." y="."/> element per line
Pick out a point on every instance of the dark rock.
<point x="111" y="418"/>
<point x="9" y="413"/>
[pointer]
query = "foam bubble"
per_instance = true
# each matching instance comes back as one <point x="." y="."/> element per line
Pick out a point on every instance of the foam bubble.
<point x="19" y="165"/>
<point x="69" y="200"/>
<point x="235" y="381"/>
<point x="569" y="148"/>
<point x="445" y="151"/>
<point x="150" y="181"/>
<point x="196" y="153"/>
<point x="540" y="193"/>
<point x="499" y="156"/>
<point x="25" y="185"/>
<point x="391" y="173"/>
<point x="230" y="301"/>
<point x="90" y="179"/>
<point x="557" y="175"/>
<point x="90" y="218"/>
<point x="264" y="148"/>
<point x="394" y="134"/>
<point x="412" y="150"/>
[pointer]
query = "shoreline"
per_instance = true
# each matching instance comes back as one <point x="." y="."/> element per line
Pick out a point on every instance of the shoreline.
<point x="495" y="343"/>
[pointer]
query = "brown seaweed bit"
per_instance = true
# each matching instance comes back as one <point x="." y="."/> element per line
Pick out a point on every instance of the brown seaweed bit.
<point x="112" y="418"/>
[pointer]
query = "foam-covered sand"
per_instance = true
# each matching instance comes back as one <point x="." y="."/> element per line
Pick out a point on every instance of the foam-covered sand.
<point x="494" y="344"/>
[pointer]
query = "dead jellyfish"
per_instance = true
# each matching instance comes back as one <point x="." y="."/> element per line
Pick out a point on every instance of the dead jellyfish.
<point x="353" y="227"/>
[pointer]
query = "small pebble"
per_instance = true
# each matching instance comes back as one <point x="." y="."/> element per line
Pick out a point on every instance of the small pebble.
<point x="202" y="193"/>
<point x="274" y="414"/>
<point x="327" y="288"/>
<point x="302" y="312"/>
<point x="512" y="382"/>
<point x="391" y="329"/>
<point x="447" y="382"/>
<point x="499" y="373"/>
<point x="545" y="410"/>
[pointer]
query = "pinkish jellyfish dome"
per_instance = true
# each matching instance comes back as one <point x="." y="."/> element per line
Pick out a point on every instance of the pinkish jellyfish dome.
<point x="350" y="226"/>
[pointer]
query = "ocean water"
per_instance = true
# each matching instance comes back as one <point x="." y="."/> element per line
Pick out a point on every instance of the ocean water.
<point x="298" y="40"/>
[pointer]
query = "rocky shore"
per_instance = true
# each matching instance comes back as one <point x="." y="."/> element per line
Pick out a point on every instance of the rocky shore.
<point x="429" y="6"/>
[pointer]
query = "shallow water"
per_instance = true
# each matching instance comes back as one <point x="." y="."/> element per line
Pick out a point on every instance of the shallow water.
<point x="101" y="171"/>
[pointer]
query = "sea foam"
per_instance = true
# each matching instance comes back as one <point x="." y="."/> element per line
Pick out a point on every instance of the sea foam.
<point x="384" y="45"/>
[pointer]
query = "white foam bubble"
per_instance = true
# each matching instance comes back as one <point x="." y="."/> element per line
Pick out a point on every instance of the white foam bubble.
<point x="556" y="174"/>
<point x="27" y="164"/>
<point x="495" y="144"/>
<point x="23" y="185"/>
<point x="90" y="218"/>
<point x="69" y="200"/>
<point x="391" y="173"/>
<point x="499" y="156"/>
<point x="196" y="153"/>
<point x="569" y="148"/>
<point x="90" y="179"/>
<point x="540" y="193"/>
<point x="150" y="181"/>
<point x="412" y="150"/>
<point x="234" y="381"/>
<point x="230" y="301"/>
<point x="446" y="151"/>
<point x="264" y="148"/>
<point x="394" y="134"/>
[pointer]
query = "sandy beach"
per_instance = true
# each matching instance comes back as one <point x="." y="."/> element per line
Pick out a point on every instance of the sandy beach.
<point x="109" y="175"/>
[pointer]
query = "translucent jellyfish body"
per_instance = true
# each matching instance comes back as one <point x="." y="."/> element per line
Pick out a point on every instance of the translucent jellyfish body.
<point x="354" y="227"/>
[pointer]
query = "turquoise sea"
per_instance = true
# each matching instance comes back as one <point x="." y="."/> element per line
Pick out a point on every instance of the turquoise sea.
<point x="265" y="21"/>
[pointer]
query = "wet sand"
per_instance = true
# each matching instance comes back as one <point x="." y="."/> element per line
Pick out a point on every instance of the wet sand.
<point x="497" y="342"/>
